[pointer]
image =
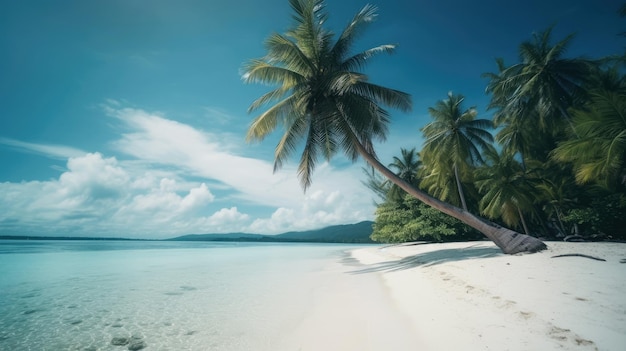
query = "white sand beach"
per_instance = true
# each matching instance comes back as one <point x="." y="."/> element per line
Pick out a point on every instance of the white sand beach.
<point x="469" y="296"/>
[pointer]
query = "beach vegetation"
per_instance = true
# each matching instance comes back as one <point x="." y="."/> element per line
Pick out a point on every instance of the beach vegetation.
<point x="412" y="220"/>
<point x="557" y="164"/>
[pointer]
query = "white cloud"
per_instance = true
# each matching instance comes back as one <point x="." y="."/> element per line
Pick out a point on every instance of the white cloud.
<point x="227" y="215"/>
<point x="196" y="197"/>
<point x="174" y="179"/>
<point x="91" y="177"/>
<point x="97" y="196"/>
<point x="162" y="141"/>
<point x="319" y="209"/>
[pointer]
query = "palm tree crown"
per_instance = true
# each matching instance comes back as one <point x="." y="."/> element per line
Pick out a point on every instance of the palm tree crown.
<point x="321" y="95"/>
<point x="406" y="167"/>
<point x="543" y="85"/>
<point x="455" y="139"/>
<point x="456" y="134"/>
<point x="599" y="150"/>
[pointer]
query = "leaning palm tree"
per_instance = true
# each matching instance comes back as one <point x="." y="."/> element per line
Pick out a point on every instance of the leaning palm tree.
<point x="456" y="138"/>
<point x="324" y="100"/>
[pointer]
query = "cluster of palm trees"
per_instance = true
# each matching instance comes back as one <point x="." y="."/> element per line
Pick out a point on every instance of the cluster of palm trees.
<point x="324" y="103"/>
<point x="558" y="166"/>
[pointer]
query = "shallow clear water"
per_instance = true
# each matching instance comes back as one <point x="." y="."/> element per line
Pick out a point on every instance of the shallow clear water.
<point x="80" y="295"/>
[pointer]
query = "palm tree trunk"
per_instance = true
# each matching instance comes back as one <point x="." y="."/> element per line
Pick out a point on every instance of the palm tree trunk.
<point x="459" y="187"/>
<point x="521" y="216"/>
<point x="509" y="241"/>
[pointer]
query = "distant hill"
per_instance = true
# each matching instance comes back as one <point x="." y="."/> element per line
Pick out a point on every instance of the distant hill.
<point x="216" y="237"/>
<point x="347" y="233"/>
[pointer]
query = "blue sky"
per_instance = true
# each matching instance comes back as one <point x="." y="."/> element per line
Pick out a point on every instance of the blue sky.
<point x="128" y="117"/>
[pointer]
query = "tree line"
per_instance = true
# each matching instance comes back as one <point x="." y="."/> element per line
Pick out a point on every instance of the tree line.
<point x="555" y="165"/>
<point x="325" y="105"/>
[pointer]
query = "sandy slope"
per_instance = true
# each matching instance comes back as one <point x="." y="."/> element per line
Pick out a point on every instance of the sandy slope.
<point x="469" y="296"/>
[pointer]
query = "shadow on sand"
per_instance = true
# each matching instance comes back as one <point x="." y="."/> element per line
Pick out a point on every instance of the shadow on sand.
<point x="431" y="258"/>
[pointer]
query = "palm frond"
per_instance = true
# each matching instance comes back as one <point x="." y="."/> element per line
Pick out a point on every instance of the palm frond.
<point x="284" y="52"/>
<point x="268" y="120"/>
<point x="289" y="141"/>
<point x="276" y="94"/>
<point x="258" y="71"/>
<point x="359" y="60"/>
<point x="388" y="97"/>
<point x="308" y="159"/>
<point x="347" y="37"/>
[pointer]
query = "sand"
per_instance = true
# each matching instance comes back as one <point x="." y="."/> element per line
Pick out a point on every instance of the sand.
<point x="469" y="296"/>
<point x="348" y="310"/>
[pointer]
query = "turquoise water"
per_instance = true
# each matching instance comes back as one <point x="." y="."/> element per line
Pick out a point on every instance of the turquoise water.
<point x="81" y="295"/>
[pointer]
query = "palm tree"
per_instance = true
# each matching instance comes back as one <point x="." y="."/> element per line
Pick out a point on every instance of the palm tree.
<point x="455" y="138"/>
<point x="507" y="191"/>
<point x="543" y="84"/>
<point x="558" y="196"/>
<point x="514" y="118"/>
<point x="516" y="138"/>
<point x="438" y="180"/>
<point x="406" y="167"/>
<point x="323" y="98"/>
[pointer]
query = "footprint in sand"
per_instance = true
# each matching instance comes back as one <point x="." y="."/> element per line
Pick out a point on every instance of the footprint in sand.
<point x="566" y="334"/>
<point x="526" y="315"/>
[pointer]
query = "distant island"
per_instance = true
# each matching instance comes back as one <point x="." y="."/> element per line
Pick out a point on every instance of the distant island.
<point x="358" y="233"/>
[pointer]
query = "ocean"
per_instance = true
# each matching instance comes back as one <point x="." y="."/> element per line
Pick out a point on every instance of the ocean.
<point x="131" y="295"/>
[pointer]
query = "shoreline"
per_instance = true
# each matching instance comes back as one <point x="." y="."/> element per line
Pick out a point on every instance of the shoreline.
<point x="470" y="296"/>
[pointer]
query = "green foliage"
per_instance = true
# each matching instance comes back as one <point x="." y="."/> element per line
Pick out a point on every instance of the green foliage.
<point x="411" y="220"/>
<point x="406" y="167"/>
<point x="597" y="149"/>
<point x="454" y="141"/>
<point x="531" y="98"/>
<point x="507" y="189"/>
<point x="559" y="120"/>
<point x="605" y="216"/>
<point x="542" y="86"/>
